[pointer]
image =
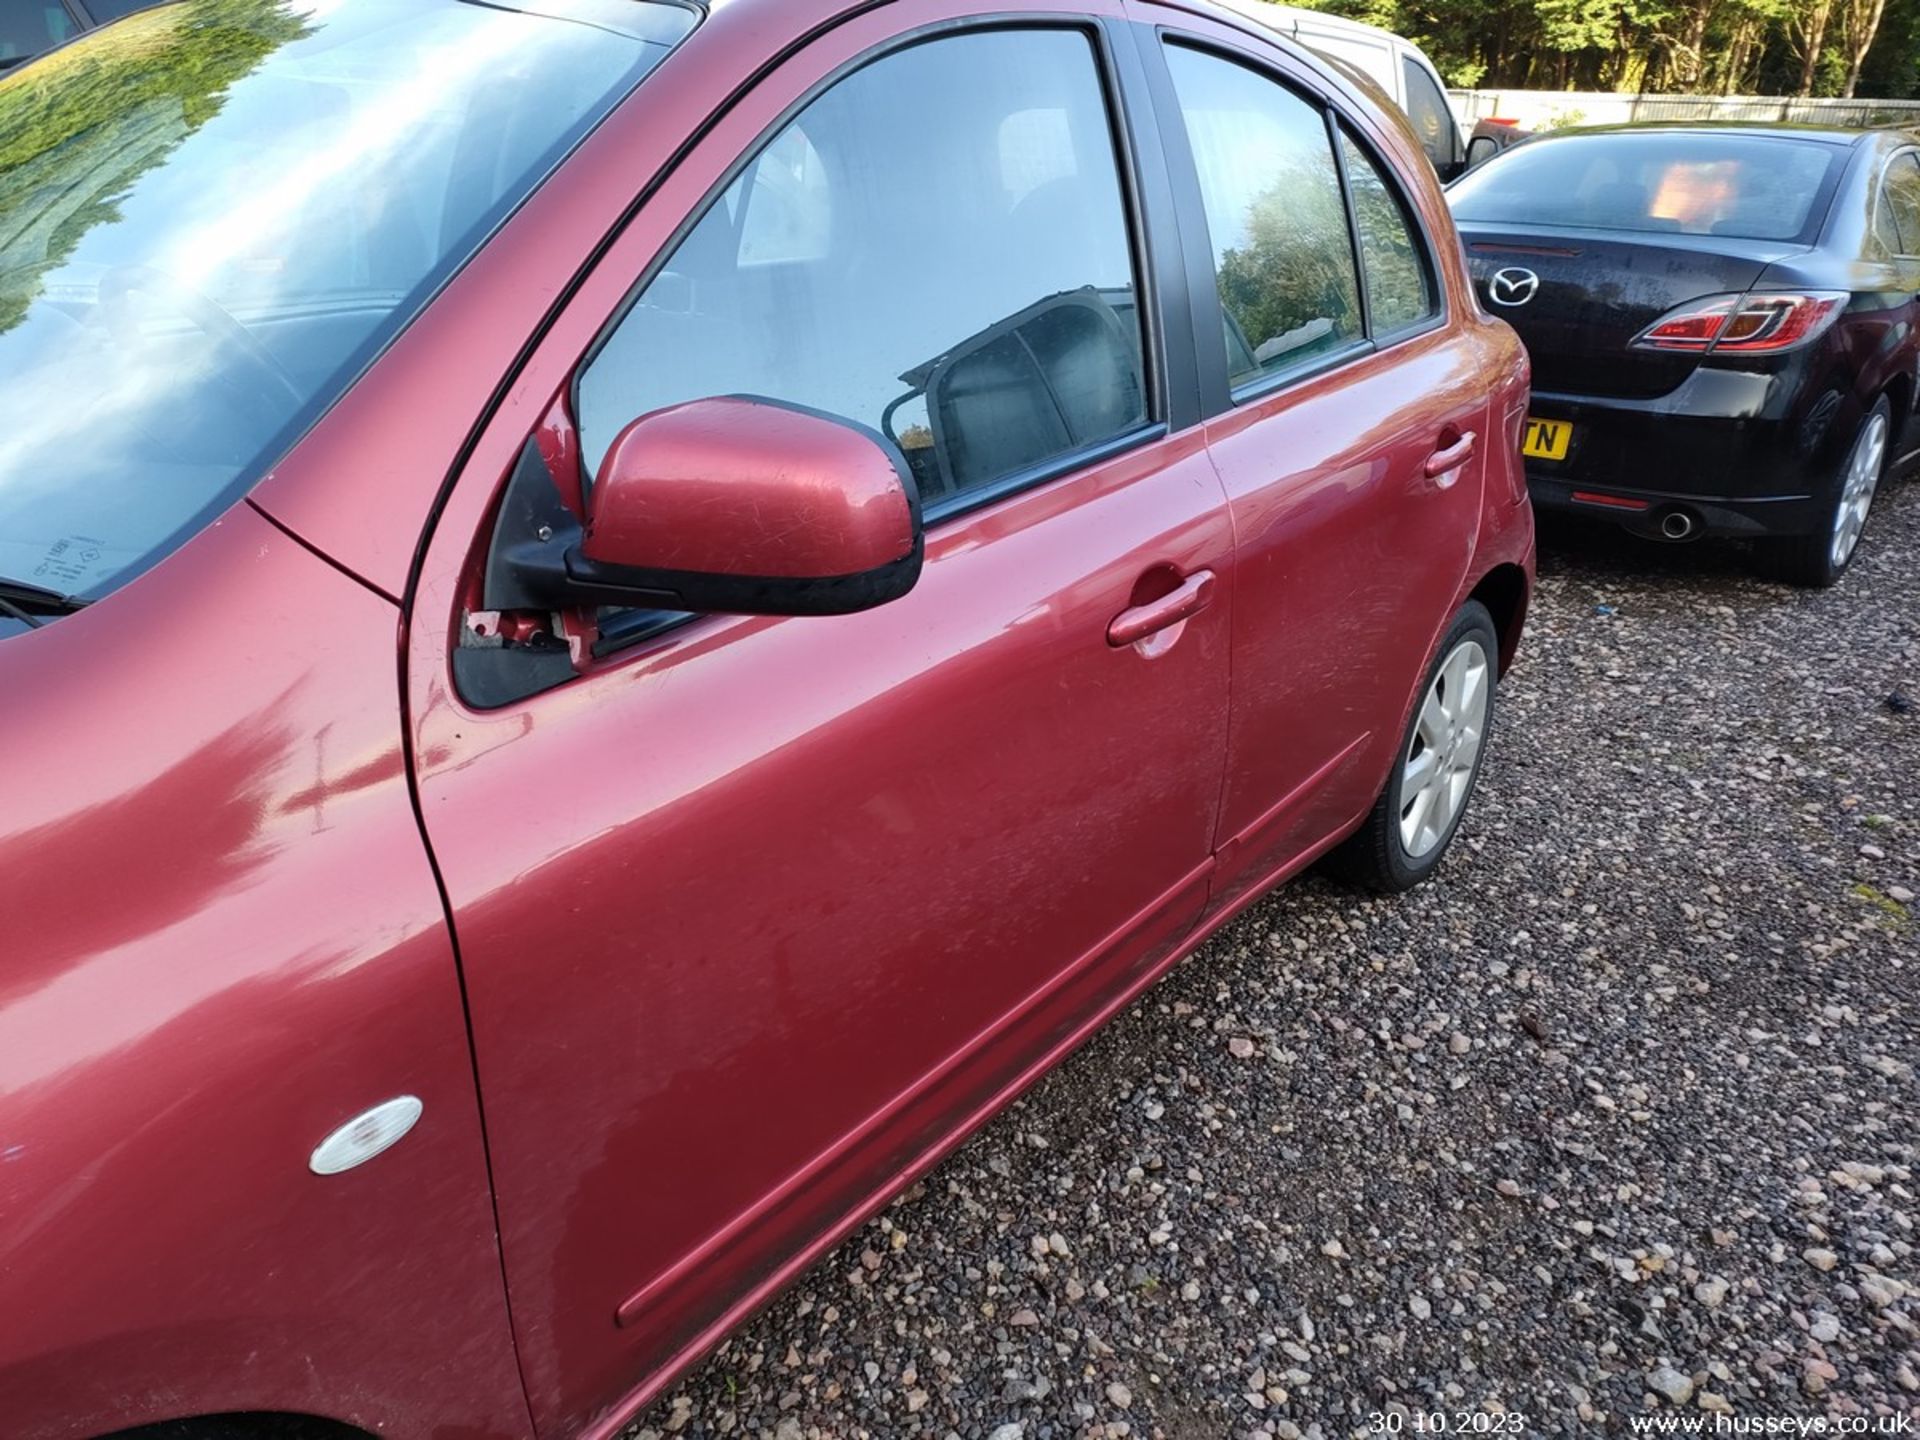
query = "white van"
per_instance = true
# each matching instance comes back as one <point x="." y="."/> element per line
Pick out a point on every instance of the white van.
<point x="1396" y="65"/>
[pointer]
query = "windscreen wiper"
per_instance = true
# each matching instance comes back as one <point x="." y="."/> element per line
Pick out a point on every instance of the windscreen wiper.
<point x="32" y="602"/>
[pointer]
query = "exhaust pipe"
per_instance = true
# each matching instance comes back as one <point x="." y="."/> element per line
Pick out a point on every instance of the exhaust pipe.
<point x="1678" y="525"/>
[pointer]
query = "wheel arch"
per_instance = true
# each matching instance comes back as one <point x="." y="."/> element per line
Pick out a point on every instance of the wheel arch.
<point x="249" y="1425"/>
<point x="1504" y="591"/>
<point x="1899" y="392"/>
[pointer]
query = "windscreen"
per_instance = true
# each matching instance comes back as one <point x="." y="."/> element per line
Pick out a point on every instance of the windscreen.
<point x="1679" y="182"/>
<point x="213" y="214"/>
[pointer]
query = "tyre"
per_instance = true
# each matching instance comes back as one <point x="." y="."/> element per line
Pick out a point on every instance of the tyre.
<point x="1413" y="823"/>
<point x="1820" y="559"/>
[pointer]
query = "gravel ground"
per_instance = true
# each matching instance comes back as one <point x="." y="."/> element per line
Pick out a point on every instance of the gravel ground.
<point x="1619" y="1115"/>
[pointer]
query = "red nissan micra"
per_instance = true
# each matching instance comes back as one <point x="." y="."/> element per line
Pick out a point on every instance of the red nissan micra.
<point x="620" y="618"/>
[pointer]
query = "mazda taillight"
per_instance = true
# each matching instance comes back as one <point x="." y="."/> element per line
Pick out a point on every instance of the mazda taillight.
<point x="1760" y="323"/>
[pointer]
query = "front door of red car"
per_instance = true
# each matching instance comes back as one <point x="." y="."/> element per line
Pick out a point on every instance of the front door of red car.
<point x="1351" y="420"/>
<point x="756" y="914"/>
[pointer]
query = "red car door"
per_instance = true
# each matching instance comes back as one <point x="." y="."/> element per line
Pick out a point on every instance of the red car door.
<point x="758" y="915"/>
<point x="1350" y="417"/>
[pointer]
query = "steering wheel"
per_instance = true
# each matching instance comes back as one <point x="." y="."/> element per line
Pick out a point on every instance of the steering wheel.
<point x="268" y="378"/>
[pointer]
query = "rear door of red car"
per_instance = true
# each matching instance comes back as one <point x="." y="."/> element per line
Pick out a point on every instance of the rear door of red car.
<point x="756" y="914"/>
<point x="1349" y="418"/>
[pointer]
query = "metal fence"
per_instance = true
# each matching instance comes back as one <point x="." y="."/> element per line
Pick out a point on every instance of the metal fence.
<point x="1543" y="109"/>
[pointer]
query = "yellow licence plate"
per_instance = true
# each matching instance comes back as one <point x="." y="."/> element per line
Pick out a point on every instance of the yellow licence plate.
<point x="1547" y="439"/>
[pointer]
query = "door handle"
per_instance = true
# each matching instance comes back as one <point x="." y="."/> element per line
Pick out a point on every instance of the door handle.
<point x="1132" y="626"/>
<point x="1445" y="462"/>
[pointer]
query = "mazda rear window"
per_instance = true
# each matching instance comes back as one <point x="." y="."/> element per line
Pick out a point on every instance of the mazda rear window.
<point x="1744" y="187"/>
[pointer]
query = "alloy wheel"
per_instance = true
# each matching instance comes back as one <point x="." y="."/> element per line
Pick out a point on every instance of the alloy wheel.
<point x="1862" y="478"/>
<point x="1438" y="770"/>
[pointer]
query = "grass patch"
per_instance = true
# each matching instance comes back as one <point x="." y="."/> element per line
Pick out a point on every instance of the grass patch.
<point x="1898" y="916"/>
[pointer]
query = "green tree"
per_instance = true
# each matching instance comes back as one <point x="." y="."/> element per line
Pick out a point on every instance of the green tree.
<point x="1785" y="47"/>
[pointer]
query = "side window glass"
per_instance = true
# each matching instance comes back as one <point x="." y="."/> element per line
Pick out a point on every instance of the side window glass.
<point x="1886" y="234"/>
<point x="1903" y="196"/>
<point x="787" y="204"/>
<point x="1431" y="115"/>
<point x="937" y="247"/>
<point x="1399" y="279"/>
<point x="1282" y="251"/>
<point x="27" y="29"/>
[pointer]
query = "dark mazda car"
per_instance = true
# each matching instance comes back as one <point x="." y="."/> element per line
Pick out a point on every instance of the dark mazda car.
<point x="1722" y="323"/>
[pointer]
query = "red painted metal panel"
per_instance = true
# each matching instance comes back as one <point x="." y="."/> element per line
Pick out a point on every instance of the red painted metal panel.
<point x="220" y="939"/>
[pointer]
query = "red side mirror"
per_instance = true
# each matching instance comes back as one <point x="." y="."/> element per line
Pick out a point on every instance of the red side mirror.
<point x="752" y="505"/>
<point x="737" y="505"/>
